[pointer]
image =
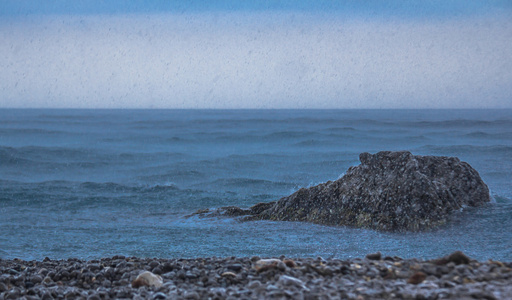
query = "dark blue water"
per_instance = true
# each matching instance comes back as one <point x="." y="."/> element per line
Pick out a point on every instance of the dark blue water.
<point x="96" y="183"/>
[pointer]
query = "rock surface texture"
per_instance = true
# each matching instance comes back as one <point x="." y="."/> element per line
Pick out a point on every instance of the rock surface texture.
<point x="390" y="191"/>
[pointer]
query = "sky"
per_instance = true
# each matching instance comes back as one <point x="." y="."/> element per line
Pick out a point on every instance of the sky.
<point x="255" y="54"/>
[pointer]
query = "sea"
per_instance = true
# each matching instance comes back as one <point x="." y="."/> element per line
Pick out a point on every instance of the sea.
<point x="97" y="183"/>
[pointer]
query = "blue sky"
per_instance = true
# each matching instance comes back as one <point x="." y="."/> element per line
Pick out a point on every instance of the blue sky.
<point x="256" y="54"/>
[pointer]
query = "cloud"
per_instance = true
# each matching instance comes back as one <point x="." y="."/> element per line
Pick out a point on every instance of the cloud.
<point x="255" y="60"/>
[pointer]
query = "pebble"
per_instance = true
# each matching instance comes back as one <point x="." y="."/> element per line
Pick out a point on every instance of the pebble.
<point x="159" y="295"/>
<point x="374" y="256"/>
<point x="94" y="297"/>
<point x="147" y="279"/>
<point x="157" y="271"/>
<point x="458" y="258"/>
<point x="235" y="267"/>
<point x="228" y="274"/>
<point x="47" y="280"/>
<point x="417" y="278"/>
<point x="450" y="277"/>
<point x="190" y="275"/>
<point x="192" y="295"/>
<point x="286" y="281"/>
<point x="289" y="263"/>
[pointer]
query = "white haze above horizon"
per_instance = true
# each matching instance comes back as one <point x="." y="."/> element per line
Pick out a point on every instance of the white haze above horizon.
<point x="247" y="59"/>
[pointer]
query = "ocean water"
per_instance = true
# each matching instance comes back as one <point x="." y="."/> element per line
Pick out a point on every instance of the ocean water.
<point x="96" y="183"/>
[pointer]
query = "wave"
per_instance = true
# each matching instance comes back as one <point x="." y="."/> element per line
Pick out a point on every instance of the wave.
<point x="160" y="188"/>
<point x="43" y="152"/>
<point x="31" y="131"/>
<point x="65" y="184"/>
<point x="501" y="199"/>
<point x="175" y="139"/>
<point x="239" y="161"/>
<point x="409" y="138"/>
<point x="278" y="137"/>
<point x="486" y="135"/>
<point x="87" y="186"/>
<point x="311" y="143"/>
<point x="61" y="158"/>
<point x="75" y="194"/>
<point x="105" y="187"/>
<point x="180" y="173"/>
<point x="343" y="121"/>
<point x="461" y="123"/>
<point x="112" y="187"/>
<point x="246" y="183"/>
<point x="325" y="142"/>
<point x="289" y="134"/>
<point x="342" y="163"/>
<point x="492" y="150"/>
<point x="340" y="129"/>
<point x="233" y="160"/>
<point x="71" y="114"/>
<point x="50" y="159"/>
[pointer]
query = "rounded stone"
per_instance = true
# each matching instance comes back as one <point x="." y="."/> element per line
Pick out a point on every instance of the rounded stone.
<point x="417" y="278"/>
<point x="3" y="287"/>
<point x="235" y="267"/>
<point x="35" y="279"/>
<point x="192" y="295"/>
<point x="153" y="264"/>
<point x="374" y="256"/>
<point x="147" y="279"/>
<point x="94" y="297"/>
<point x="47" y="280"/>
<point x="159" y="295"/>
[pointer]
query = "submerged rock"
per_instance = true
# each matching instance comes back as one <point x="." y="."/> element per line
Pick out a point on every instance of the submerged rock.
<point x="233" y="211"/>
<point x="391" y="191"/>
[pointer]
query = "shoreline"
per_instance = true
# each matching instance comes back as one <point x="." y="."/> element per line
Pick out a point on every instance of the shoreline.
<point x="373" y="277"/>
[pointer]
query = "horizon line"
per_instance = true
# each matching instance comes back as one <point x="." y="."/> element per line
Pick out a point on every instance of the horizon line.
<point x="233" y="109"/>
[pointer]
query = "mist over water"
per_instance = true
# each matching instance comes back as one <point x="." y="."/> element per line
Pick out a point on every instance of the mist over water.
<point x="96" y="183"/>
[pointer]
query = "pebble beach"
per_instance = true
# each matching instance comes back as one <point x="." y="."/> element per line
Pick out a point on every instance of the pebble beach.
<point x="375" y="276"/>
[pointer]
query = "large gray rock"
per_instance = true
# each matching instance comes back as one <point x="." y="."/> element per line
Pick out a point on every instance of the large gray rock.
<point x="391" y="191"/>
